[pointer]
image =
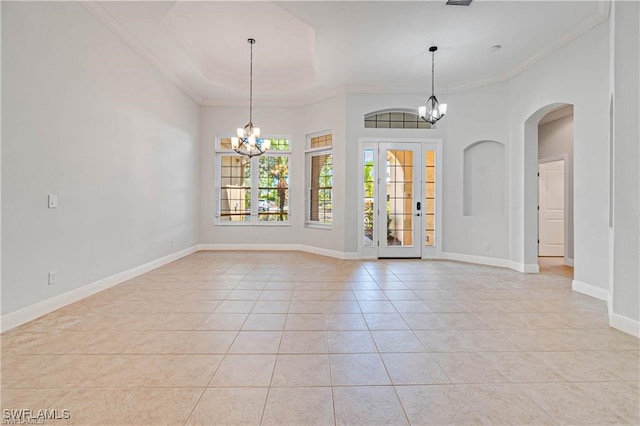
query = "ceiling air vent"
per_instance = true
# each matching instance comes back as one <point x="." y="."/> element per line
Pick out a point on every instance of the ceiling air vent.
<point x="459" y="2"/>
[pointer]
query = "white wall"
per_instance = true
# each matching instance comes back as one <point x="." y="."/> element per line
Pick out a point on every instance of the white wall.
<point x="86" y="118"/>
<point x="469" y="121"/>
<point x="626" y="175"/>
<point x="555" y="138"/>
<point x="575" y="74"/>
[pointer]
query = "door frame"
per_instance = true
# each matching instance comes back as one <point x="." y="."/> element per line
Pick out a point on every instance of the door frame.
<point x="425" y="143"/>
<point x="551" y="159"/>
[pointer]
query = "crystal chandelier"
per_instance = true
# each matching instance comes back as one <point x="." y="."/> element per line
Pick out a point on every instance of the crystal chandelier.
<point x="248" y="141"/>
<point x="433" y="111"/>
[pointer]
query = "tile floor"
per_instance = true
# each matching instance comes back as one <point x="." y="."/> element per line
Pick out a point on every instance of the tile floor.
<point x="293" y="338"/>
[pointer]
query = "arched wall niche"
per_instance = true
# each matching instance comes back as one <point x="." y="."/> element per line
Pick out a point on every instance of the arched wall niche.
<point x="484" y="179"/>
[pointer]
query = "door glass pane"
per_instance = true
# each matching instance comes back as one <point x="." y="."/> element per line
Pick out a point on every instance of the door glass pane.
<point x="368" y="202"/>
<point x="399" y="197"/>
<point x="235" y="188"/>
<point x="430" y="199"/>
<point x="273" y="195"/>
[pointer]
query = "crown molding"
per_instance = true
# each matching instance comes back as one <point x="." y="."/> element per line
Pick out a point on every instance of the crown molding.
<point x="111" y="22"/>
<point x="600" y="14"/>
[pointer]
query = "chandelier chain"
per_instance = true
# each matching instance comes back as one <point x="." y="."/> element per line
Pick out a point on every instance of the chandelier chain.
<point x="251" y="84"/>
<point x="433" y="90"/>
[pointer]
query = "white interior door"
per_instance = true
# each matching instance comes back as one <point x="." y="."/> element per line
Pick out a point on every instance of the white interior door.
<point x="400" y="203"/>
<point x="551" y="208"/>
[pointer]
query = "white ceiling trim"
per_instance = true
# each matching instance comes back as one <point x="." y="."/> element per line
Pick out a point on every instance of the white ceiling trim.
<point x="601" y="13"/>
<point x="104" y="16"/>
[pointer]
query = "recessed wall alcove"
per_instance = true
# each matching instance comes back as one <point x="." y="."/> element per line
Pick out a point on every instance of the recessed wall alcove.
<point x="484" y="179"/>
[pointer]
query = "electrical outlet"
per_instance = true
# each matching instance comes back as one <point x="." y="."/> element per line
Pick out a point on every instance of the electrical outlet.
<point x="52" y="277"/>
<point x="53" y="201"/>
<point x="487" y="246"/>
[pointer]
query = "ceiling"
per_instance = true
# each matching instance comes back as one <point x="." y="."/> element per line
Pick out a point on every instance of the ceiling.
<point x="307" y="50"/>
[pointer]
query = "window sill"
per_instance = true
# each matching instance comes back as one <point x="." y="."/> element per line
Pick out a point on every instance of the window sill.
<point x="313" y="225"/>
<point x="253" y="223"/>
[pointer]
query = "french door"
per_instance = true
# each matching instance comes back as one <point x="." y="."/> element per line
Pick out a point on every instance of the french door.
<point x="400" y="191"/>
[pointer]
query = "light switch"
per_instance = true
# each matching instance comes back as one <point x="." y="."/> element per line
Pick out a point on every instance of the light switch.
<point x="53" y="201"/>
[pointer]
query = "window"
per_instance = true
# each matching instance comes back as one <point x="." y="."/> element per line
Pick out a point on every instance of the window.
<point x="394" y="120"/>
<point x="253" y="190"/>
<point x="319" y="179"/>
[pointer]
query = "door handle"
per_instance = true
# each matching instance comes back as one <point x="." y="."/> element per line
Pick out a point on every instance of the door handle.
<point x="418" y="206"/>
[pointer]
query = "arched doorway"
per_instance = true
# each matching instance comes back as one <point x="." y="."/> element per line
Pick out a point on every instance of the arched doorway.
<point x="548" y="186"/>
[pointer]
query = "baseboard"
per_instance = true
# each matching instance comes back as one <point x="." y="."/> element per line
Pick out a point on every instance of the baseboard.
<point x="491" y="261"/>
<point x="282" y="247"/>
<point x="590" y="290"/>
<point x="568" y="262"/>
<point x="39" y="309"/>
<point x="625" y="324"/>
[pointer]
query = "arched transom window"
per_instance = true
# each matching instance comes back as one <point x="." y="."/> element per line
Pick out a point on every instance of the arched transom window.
<point x="394" y="119"/>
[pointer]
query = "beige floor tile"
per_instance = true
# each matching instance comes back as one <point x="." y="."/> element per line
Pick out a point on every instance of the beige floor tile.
<point x="302" y="370"/>
<point x="332" y="307"/>
<point x="621" y="398"/>
<point x="307" y="307"/>
<point x="265" y="322"/>
<point x="299" y="406"/>
<point x="504" y="404"/>
<point x="377" y="307"/>
<point x="271" y="307"/>
<point x="567" y="403"/>
<point x="142" y="347"/>
<point x="229" y="406"/>
<point x="276" y="295"/>
<point x="437" y="405"/>
<point x="22" y="371"/>
<point x="244" y="370"/>
<point x="411" y="307"/>
<point x="468" y="368"/>
<point x="302" y="342"/>
<point x="309" y="322"/>
<point x="368" y="405"/>
<point x="159" y="406"/>
<point x="157" y="342"/>
<point x="414" y="369"/>
<point x="523" y="367"/>
<point x="351" y="342"/>
<point x="244" y="295"/>
<point x="235" y="307"/>
<point x="399" y="294"/>
<point x="223" y="322"/>
<point x="397" y="341"/>
<point x="256" y="342"/>
<point x="625" y="364"/>
<point x="386" y="322"/>
<point x="358" y="369"/>
<point x="96" y="406"/>
<point x="185" y="371"/>
<point x="577" y="367"/>
<point x="33" y="399"/>
<point x="446" y="306"/>
<point x="346" y="322"/>
<point x="208" y="342"/>
<point x="120" y="371"/>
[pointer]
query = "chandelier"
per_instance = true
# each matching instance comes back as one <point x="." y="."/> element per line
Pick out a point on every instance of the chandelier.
<point x="248" y="141"/>
<point x="434" y="110"/>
